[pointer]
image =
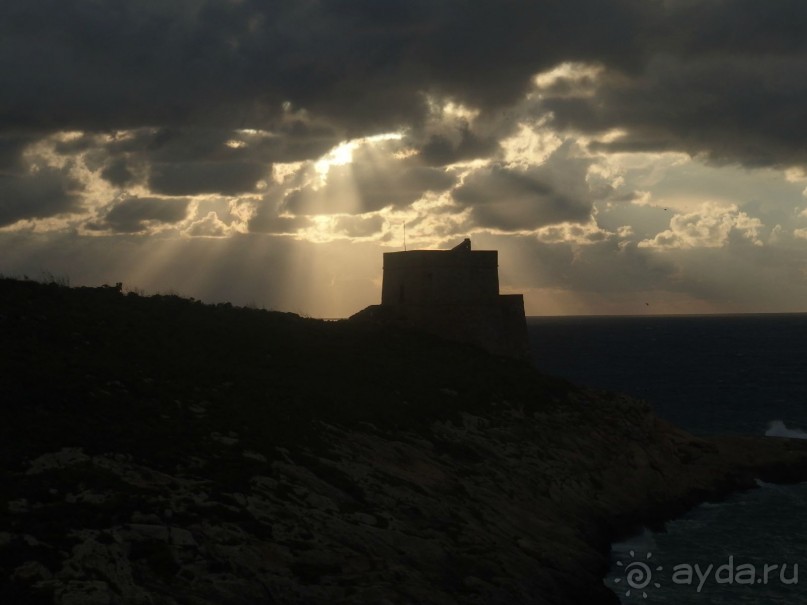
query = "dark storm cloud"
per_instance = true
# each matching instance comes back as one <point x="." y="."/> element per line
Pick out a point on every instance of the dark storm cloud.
<point x="117" y="173"/>
<point x="291" y="140"/>
<point x="186" y="161"/>
<point x="267" y="220"/>
<point x="131" y="215"/>
<point x="440" y="150"/>
<point x="361" y="64"/>
<point x="725" y="77"/>
<point x="728" y="108"/>
<point x="11" y="148"/>
<point x="44" y="193"/>
<point x="189" y="178"/>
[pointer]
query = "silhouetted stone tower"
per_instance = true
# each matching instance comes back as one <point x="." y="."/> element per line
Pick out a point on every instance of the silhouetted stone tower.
<point x="455" y="294"/>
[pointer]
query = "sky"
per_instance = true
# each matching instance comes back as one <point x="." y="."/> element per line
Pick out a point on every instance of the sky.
<point x="624" y="156"/>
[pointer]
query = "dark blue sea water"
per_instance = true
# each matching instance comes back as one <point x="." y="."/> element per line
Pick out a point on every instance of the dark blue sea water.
<point x="741" y="374"/>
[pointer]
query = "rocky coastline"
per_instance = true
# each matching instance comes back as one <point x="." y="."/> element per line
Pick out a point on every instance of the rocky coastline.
<point x="161" y="451"/>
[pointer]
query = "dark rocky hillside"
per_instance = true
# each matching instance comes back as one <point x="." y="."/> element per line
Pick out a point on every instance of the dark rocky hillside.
<point x="160" y="451"/>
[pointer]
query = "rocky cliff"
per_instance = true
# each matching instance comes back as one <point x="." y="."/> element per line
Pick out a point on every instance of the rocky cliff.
<point x="161" y="451"/>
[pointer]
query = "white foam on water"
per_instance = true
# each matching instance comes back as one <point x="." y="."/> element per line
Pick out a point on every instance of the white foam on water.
<point x="777" y="428"/>
<point x="643" y="542"/>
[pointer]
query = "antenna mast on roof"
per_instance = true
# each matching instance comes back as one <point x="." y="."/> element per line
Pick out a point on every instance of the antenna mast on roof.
<point x="404" y="226"/>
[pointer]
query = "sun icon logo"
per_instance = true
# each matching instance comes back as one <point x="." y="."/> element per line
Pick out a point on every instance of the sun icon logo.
<point x="638" y="575"/>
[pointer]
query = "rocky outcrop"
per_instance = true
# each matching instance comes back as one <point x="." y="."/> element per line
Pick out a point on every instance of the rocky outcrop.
<point x="514" y="506"/>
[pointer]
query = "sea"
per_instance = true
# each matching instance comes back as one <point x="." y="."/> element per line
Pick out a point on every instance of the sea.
<point x="711" y="375"/>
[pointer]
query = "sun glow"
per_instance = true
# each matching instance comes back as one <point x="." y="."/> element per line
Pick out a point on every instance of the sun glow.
<point x="338" y="156"/>
<point x="343" y="153"/>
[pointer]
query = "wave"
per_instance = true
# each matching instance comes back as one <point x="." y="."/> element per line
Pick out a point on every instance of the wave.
<point x="777" y="428"/>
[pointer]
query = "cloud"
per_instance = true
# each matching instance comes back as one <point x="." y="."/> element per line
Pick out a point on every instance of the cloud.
<point x="11" y="148"/>
<point x="728" y="108"/>
<point x="117" y="173"/>
<point x="723" y="78"/>
<point x="236" y="63"/>
<point x="606" y="266"/>
<point x="293" y="138"/>
<point x="278" y="225"/>
<point x="190" y="178"/>
<point x="209" y="226"/>
<point x="373" y="180"/>
<point x="191" y="161"/>
<point x="441" y="150"/>
<point x="710" y="227"/>
<point x="571" y="233"/>
<point x="726" y="103"/>
<point x="37" y="193"/>
<point x="359" y="226"/>
<point x="618" y="277"/>
<point x="176" y="161"/>
<point x="267" y="218"/>
<point x="286" y="82"/>
<point x="135" y="214"/>
<point x="517" y="199"/>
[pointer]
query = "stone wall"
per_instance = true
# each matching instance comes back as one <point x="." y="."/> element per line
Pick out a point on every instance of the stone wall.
<point x="440" y="277"/>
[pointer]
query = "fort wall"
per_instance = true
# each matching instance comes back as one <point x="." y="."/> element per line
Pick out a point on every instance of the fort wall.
<point x="440" y="277"/>
<point x="454" y="294"/>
